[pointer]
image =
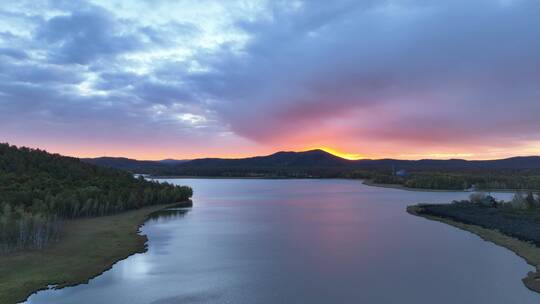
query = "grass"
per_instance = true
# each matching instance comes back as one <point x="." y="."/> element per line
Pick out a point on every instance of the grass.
<point x="368" y="182"/>
<point x="87" y="248"/>
<point x="524" y="249"/>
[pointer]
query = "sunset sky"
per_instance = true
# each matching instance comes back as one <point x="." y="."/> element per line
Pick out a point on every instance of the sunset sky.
<point x="183" y="79"/>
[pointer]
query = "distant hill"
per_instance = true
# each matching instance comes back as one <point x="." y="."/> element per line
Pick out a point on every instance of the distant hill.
<point x="309" y="163"/>
<point x="514" y="163"/>
<point x="318" y="158"/>
<point x="313" y="158"/>
<point x="170" y="161"/>
<point x="133" y="165"/>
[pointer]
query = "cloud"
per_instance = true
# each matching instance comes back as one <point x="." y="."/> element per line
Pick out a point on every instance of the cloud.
<point x="13" y="53"/>
<point x="476" y="62"/>
<point x="370" y="76"/>
<point x="85" y="35"/>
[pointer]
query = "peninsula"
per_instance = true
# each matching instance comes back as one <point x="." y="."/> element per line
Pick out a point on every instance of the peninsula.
<point x="514" y="225"/>
<point x="63" y="221"/>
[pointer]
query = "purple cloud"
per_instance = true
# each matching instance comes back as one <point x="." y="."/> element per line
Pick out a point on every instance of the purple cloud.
<point x="368" y="75"/>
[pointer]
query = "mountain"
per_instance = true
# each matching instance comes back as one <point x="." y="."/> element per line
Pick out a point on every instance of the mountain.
<point x="306" y="159"/>
<point x="306" y="163"/>
<point x="318" y="158"/>
<point x="171" y="161"/>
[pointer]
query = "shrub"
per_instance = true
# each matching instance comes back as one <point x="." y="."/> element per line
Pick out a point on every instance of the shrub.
<point x="518" y="201"/>
<point x="478" y="198"/>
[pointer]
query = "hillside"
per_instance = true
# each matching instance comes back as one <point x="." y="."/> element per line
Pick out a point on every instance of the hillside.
<point x="313" y="159"/>
<point x="318" y="158"/>
<point x="133" y="165"/>
<point x="277" y="164"/>
<point x="514" y="163"/>
<point x="455" y="174"/>
<point x="314" y="163"/>
<point x="39" y="190"/>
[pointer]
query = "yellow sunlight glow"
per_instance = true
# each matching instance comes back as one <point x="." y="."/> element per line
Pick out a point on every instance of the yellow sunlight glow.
<point x="350" y="156"/>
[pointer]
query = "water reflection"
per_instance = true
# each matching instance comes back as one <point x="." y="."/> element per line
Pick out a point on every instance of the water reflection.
<point x="305" y="241"/>
<point x="168" y="214"/>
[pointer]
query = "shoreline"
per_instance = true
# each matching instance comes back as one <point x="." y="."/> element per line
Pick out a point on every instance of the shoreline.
<point x="401" y="187"/>
<point x="91" y="246"/>
<point x="529" y="252"/>
<point x="363" y="181"/>
<point x="88" y="248"/>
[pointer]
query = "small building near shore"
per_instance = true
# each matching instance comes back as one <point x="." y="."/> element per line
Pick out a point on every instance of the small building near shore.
<point x="401" y="173"/>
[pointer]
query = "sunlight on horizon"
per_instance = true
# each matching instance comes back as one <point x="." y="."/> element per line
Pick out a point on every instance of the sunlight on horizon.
<point x="346" y="155"/>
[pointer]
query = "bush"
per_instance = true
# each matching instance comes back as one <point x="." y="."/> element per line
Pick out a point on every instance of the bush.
<point x="518" y="201"/>
<point x="478" y="198"/>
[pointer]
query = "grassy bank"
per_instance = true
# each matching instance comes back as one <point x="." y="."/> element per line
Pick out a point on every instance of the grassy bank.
<point x="87" y="248"/>
<point x="402" y="187"/>
<point x="524" y="249"/>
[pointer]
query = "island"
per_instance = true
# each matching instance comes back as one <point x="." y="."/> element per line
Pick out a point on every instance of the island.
<point x="514" y="225"/>
<point x="64" y="221"/>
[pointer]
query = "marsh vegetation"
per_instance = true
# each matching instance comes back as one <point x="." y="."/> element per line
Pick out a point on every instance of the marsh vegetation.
<point x="39" y="191"/>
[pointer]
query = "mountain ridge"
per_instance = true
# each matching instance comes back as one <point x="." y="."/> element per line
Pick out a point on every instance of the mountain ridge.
<point x="309" y="159"/>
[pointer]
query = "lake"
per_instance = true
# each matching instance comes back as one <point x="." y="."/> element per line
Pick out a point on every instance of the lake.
<point x="305" y="241"/>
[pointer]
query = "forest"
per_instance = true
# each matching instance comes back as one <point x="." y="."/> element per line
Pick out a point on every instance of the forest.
<point x="518" y="217"/>
<point x="480" y="179"/>
<point x="39" y="190"/>
<point x="439" y="179"/>
<point x="454" y="174"/>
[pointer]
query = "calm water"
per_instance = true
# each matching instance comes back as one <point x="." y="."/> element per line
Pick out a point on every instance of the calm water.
<point x="305" y="241"/>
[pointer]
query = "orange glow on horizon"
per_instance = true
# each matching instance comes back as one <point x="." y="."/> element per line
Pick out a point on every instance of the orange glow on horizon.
<point x="152" y="151"/>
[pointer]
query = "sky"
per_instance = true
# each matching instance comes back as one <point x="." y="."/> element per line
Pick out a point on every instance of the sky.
<point x="183" y="79"/>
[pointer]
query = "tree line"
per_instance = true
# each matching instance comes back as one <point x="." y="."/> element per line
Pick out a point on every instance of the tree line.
<point x="464" y="179"/>
<point x="449" y="179"/>
<point x="39" y="190"/>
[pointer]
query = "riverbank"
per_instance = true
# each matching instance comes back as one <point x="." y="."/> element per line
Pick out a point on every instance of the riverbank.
<point x="526" y="250"/>
<point x="401" y="187"/>
<point x="363" y="181"/>
<point x="88" y="247"/>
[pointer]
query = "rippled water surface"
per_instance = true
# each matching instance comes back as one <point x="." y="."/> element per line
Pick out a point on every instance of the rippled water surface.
<point x="305" y="241"/>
